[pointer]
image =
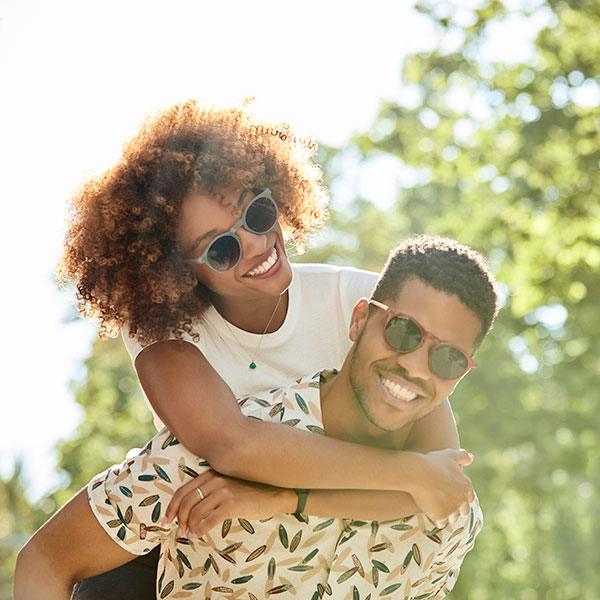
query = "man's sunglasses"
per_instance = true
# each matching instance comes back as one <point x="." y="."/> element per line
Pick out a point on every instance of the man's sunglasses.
<point x="403" y="334"/>
<point x="225" y="250"/>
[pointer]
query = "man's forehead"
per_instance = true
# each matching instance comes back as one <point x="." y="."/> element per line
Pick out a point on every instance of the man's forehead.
<point x="443" y="314"/>
<point x="411" y="288"/>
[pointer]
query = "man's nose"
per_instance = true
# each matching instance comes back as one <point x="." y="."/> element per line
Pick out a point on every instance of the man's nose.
<point x="416" y="363"/>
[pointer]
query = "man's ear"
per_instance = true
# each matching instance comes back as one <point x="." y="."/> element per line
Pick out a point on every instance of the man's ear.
<point x="360" y="313"/>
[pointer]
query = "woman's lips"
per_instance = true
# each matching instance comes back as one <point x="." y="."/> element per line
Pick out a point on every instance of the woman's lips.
<point x="265" y="265"/>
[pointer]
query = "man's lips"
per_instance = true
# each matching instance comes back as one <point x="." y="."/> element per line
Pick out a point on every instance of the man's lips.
<point x="399" y="387"/>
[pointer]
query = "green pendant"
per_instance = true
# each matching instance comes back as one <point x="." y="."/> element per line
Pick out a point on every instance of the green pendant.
<point x="252" y="365"/>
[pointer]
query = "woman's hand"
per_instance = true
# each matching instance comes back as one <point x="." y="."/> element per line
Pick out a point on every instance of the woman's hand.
<point x="439" y="487"/>
<point x="224" y="498"/>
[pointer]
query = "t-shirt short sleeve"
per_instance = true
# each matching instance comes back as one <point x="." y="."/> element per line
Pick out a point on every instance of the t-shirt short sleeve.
<point x="134" y="347"/>
<point x="129" y="500"/>
<point x="106" y="506"/>
<point x="355" y="284"/>
<point x="131" y="343"/>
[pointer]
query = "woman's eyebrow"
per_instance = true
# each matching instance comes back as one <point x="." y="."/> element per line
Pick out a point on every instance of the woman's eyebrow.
<point x="241" y="198"/>
<point x="212" y="232"/>
<point x="201" y="238"/>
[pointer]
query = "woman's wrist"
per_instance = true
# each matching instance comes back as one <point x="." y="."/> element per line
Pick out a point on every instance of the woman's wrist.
<point x="288" y="500"/>
<point x="407" y="465"/>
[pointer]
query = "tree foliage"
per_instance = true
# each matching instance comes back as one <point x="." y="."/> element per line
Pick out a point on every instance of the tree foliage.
<point x="18" y="518"/>
<point x="116" y="418"/>
<point x="505" y="157"/>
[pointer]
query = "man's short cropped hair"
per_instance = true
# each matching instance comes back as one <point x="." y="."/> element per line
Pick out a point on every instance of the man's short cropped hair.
<point x="447" y="266"/>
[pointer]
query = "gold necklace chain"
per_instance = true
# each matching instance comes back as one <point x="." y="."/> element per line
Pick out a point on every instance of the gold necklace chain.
<point x="252" y="364"/>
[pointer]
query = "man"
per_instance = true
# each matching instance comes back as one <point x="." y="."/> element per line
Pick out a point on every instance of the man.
<point x="413" y="341"/>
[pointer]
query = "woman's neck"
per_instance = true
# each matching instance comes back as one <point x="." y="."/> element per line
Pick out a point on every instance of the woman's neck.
<point x="253" y="316"/>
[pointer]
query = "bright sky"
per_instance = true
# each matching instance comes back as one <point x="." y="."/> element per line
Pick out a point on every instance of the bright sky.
<point x="78" y="76"/>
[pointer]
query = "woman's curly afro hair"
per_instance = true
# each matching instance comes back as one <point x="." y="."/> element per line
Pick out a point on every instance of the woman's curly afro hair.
<point x="121" y="250"/>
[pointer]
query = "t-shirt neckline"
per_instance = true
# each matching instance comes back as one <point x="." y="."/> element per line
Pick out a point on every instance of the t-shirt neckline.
<point x="232" y="333"/>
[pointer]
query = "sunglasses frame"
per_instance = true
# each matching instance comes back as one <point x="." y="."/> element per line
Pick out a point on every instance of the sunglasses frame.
<point x="203" y="259"/>
<point x="424" y="334"/>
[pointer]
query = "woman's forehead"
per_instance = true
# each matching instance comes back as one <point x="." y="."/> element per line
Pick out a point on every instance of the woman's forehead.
<point x="205" y="213"/>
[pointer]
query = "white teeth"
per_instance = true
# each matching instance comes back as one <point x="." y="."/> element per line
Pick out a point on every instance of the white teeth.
<point x="397" y="390"/>
<point x="265" y="266"/>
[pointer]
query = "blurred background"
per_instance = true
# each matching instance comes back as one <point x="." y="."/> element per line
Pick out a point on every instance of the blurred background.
<point x="474" y="120"/>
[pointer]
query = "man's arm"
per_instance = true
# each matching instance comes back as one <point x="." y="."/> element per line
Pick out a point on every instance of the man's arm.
<point x="69" y="547"/>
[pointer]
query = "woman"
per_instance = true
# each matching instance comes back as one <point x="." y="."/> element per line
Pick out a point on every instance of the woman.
<point x="182" y="245"/>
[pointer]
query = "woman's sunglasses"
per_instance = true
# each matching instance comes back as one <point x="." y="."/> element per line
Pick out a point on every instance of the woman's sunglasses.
<point x="403" y="334"/>
<point x="225" y="250"/>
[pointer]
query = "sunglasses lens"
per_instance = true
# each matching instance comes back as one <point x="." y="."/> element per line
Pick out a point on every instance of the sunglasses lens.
<point x="261" y="215"/>
<point x="224" y="253"/>
<point x="402" y="334"/>
<point x="448" y="362"/>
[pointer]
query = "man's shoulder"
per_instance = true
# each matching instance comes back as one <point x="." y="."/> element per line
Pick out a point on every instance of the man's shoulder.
<point x="296" y="403"/>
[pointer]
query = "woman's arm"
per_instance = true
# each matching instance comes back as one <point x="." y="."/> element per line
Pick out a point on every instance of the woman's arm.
<point x="200" y="409"/>
<point x="224" y="498"/>
<point x="71" y="546"/>
<point x="228" y="498"/>
<point x="434" y="432"/>
<point x="360" y="504"/>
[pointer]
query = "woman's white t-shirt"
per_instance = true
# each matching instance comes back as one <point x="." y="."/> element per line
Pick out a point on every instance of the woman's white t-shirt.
<point x="313" y="336"/>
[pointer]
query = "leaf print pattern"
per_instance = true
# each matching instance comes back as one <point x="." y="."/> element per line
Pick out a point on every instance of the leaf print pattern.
<point x="307" y="558"/>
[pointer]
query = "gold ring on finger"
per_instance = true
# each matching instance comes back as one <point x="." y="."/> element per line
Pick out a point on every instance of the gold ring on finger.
<point x="201" y="494"/>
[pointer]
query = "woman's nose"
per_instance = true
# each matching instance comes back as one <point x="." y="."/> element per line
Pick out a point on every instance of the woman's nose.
<point x="253" y="244"/>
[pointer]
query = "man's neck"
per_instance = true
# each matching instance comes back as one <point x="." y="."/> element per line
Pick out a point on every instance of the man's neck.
<point x="343" y="418"/>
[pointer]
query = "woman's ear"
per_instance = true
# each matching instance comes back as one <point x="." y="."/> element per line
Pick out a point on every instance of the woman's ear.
<point x="360" y="313"/>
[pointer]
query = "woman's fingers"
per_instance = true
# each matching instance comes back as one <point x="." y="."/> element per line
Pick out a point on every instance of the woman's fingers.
<point x="186" y="497"/>
<point x="194" y="501"/>
<point x="206" y="515"/>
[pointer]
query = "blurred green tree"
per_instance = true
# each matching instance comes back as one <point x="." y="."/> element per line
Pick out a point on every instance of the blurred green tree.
<point x="116" y="418"/>
<point x="18" y="518"/>
<point x="505" y="156"/>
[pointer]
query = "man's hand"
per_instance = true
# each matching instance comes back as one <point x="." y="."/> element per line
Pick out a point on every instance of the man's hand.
<point x="224" y="498"/>
<point x="439" y="487"/>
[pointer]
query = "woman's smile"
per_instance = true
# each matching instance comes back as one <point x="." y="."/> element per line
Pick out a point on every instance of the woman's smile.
<point x="268" y="266"/>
